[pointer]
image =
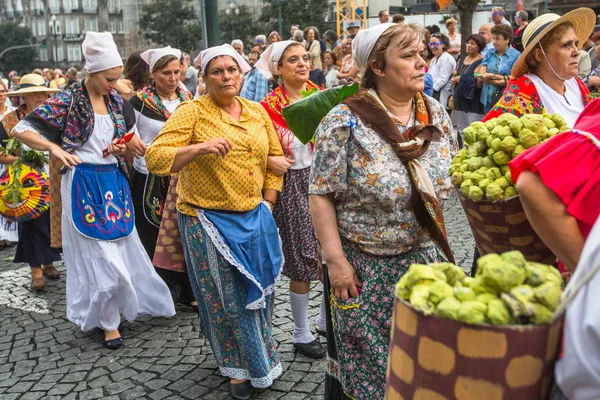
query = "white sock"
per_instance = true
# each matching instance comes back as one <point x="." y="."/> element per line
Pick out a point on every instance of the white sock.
<point x="322" y="317"/>
<point x="299" y="303"/>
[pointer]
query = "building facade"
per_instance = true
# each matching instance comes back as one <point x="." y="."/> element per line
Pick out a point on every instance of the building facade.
<point x="63" y="24"/>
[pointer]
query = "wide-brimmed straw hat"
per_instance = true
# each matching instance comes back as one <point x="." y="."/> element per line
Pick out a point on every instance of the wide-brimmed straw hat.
<point x="583" y="21"/>
<point x="32" y="83"/>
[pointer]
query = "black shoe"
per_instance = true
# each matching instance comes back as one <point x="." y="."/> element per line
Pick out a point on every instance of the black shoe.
<point x="241" y="391"/>
<point x="312" y="349"/>
<point x="113" y="343"/>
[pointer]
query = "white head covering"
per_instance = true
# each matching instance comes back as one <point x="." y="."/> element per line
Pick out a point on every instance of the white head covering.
<point x="363" y="44"/>
<point x="207" y="55"/>
<point x="152" y="56"/>
<point x="267" y="64"/>
<point x="100" y="52"/>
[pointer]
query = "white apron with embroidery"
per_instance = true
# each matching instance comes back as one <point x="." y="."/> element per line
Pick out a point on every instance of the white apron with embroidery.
<point x="105" y="278"/>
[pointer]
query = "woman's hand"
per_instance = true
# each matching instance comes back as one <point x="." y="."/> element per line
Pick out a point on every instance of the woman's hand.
<point x="487" y="77"/>
<point x="218" y="146"/>
<point x="116" y="148"/>
<point x="279" y="165"/>
<point x="137" y="147"/>
<point x="343" y="279"/>
<point x="69" y="160"/>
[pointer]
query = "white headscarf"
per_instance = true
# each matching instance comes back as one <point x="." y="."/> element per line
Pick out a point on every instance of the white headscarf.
<point x="207" y="55"/>
<point x="152" y="56"/>
<point x="269" y="59"/>
<point x="363" y="44"/>
<point x="100" y="52"/>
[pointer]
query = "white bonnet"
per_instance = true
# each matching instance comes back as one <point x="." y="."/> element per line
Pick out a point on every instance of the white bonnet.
<point x="100" y="52"/>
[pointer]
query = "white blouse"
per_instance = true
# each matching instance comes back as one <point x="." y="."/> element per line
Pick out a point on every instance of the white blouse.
<point x="147" y="129"/>
<point x="440" y="70"/>
<point x="569" y="106"/>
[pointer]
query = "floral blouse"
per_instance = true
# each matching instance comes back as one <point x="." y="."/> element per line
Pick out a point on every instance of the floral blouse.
<point x="371" y="186"/>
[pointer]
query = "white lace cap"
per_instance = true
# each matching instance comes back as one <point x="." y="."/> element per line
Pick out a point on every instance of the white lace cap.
<point x="152" y="56"/>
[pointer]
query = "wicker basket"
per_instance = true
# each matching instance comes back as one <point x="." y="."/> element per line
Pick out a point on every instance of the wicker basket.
<point x="436" y="358"/>
<point x="500" y="226"/>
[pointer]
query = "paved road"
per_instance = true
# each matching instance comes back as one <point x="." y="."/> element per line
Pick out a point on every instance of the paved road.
<point x="42" y="355"/>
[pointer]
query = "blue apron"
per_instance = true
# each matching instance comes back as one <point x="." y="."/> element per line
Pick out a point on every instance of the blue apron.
<point x="101" y="203"/>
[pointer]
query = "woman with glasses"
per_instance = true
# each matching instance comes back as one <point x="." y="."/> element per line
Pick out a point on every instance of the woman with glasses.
<point x="441" y="67"/>
<point x="521" y="21"/>
<point x="496" y="66"/>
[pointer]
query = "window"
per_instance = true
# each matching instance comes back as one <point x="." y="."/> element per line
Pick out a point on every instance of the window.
<point x="120" y="25"/>
<point x="70" y="4"/>
<point x="90" y="5"/>
<point x="72" y="26"/>
<point x="91" y="24"/>
<point x="74" y="53"/>
<point x="43" y="55"/>
<point x="114" y="6"/>
<point x="58" y="27"/>
<point x="41" y="28"/>
<point x="113" y="26"/>
<point x="60" y="54"/>
<point x="55" y="6"/>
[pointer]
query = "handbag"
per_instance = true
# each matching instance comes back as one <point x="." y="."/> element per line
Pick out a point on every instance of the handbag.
<point x="101" y="203"/>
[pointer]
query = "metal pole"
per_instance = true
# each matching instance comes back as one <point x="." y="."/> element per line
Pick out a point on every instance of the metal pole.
<point x="54" y="44"/>
<point x="203" y="21"/>
<point x="212" y="22"/>
<point x="25" y="46"/>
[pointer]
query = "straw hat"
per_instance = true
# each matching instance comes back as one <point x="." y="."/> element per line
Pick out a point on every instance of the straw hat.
<point x="583" y="21"/>
<point x="32" y="83"/>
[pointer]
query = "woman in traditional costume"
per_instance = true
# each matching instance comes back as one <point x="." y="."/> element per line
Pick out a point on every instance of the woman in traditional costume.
<point x="378" y="182"/>
<point x="33" y="239"/>
<point x="153" y="106"/>
<point x="290" y="61"/>
<point x="85" y="127"/>
<point x="219" y="144"/>
<point x="545" y="74"/>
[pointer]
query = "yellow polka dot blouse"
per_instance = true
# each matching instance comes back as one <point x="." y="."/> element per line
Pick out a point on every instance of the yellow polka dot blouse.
<point x="234" y="182"/>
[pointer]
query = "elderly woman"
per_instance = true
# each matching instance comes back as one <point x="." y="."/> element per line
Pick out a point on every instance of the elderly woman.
<point x="290" y="61"/>
<point x="8" y="231"/>
<point x="313" y="45"/>
<point x="33" y="235"/>
<point x="5" y="106"/>
<point x="455" y="38"/>
<point x="545" y="74"/>
<point x="467" y="107"/>
<point x="441" y="67"/>
<point x="496" y="66"/>
<point x="153" y="106"/>
<point x="368" y="209"/>
<point x="230" y="240"/>
<point x="521" y="18"/>
<point x="108" y="270"/>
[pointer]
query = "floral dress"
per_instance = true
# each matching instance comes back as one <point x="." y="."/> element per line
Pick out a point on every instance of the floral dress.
<point x="380" y="235"/>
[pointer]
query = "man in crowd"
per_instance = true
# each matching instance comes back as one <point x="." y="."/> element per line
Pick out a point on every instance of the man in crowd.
<point x="353" y="28"/>
<point x="189" y="74"/>
<point x="484" y="30"/>
<point x="260" y="41"/>
<point x="293" y="29"/>
<point x="238" y="45"/>
<point x="256" y="85"/>
<point x="498" y="16"/>
<point x="384" y="16"/>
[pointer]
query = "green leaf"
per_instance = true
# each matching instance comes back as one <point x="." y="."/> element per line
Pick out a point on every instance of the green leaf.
<point x="304" y="116"/>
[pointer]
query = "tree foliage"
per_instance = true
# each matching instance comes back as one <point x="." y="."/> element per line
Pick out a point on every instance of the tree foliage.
<point x="171" y="23"/>
<point x="238" y="26"/>
<point x="21" y="60"/>
<point x="304" y="13"/>
<point x="466" y="8"/>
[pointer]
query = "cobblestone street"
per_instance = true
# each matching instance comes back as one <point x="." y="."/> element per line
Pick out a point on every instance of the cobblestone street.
<point x="43" y="355"/>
